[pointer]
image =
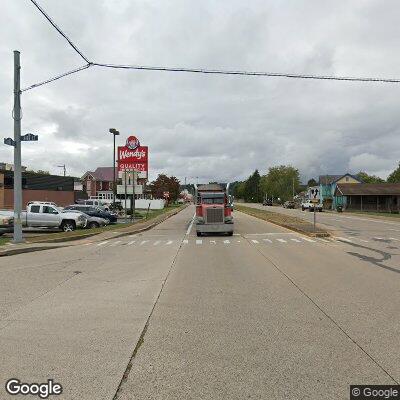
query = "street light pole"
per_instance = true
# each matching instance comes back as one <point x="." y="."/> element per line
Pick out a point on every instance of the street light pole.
<point x="114" y="132"/>
<point x="17" y="150"/>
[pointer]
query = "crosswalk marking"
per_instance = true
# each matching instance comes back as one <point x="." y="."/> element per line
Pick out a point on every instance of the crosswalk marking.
<point x="344" y="239"/>
<point x="308" y="240"/>
<point x="156" y="242"/>
<point x="143" y="242"/>
<point x="226" y="241"/>
<point x="255" y="241"/>
<point x="199" y="241"/>
<point x="296" y="240"/>
<point x="170" y="242"/>
<point x="378" y="238"/>
<point x="131" y="242"/>
<point x="323" y="240"/>
<point x="394" y="239"/>
<point x="213" y="242"/>
<point x="267" y="240"/>
<point x="101" y="244"/>
<point x="115" y="243"/>
<point x="281" y="240"/>
<point x="185" y="241"/>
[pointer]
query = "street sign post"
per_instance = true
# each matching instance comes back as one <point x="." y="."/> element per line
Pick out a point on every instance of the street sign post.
<point x="315" y="200"/>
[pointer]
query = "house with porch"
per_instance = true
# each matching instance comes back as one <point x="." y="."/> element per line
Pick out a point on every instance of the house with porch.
<point x="100" y="182"/>
<point x="327" y="187"/>
<point x="376" y="197"/>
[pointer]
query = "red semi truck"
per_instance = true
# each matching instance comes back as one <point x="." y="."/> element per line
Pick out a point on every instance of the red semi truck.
<point x="213" y="209"/>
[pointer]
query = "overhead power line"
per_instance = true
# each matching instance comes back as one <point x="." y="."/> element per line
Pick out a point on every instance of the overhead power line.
<point x="248" y="73"/>
<point x="59" y="30"/>
<point x="194" y="70"/>
<point x="57" y="77"/>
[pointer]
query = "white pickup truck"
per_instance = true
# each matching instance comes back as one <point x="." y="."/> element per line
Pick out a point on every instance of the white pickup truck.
<point x="308" y="205"/>
<point x="39" y="215"/>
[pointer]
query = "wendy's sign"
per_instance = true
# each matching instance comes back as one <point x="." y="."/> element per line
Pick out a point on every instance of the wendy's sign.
<point x="132" y="156"/>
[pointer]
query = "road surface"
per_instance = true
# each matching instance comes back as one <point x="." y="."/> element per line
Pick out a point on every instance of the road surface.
<point x="265" y="314"/>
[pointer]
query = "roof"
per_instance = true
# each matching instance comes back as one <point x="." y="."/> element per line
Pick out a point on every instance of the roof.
<point x="329" y="179"/>
<point x="103" y="174"/>
<point x="371" y="189"/>
<point x="211" y="187"/>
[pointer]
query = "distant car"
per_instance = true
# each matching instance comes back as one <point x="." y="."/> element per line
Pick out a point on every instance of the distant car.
<point x="289" y="204"/>
<point x="307" y="205"/>
<point x="92" y="222"/>
<point x="94" y="212"/>
<point x="267" y="203"/>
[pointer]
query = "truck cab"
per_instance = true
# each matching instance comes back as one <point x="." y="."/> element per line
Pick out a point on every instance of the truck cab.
<point x="213" y="210"/>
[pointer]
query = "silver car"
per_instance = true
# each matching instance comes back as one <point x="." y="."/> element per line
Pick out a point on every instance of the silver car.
<point x="92" y="222"/>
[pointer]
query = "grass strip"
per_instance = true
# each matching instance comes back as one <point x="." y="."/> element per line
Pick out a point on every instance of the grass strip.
<point x="286" y="221"/>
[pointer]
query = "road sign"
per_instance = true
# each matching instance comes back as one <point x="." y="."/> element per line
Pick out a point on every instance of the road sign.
<point x="9" y="141"/>
<point x="29" y="137"/>
<point x="314" y="193"/>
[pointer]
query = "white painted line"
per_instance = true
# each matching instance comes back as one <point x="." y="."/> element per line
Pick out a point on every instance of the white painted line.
<point x="238" y="241"/>
<point x="87" y="244"/>
<point x="190" y="225"/>
<point x="323" y="240"/>
<point x="226" y="241"/>
<point x="296" y="240"/>
<point x="378" y="238"/>
<point x="143" y="242"/>
<point x="267" y="240"/>
<point x="169" y="242"/>
<point x="395" y="239"/>
<point x="281" y="240"/>
<point x="156" y="242"/>
<point x="185" y="241"/>
<point x="362" y="240"/>
<point x="115" y="243"/>
<point x="131" y="242"/>
<point x="132" y="236"/>
<point x="199" y="241"/>
<point x="269" y="233"/>
<point x="213" y="242"/>
<point x="343" y="239"/>
<point x="255" y="241"/>
<point x="309" y="240"/>
<point x="101" y="244"/>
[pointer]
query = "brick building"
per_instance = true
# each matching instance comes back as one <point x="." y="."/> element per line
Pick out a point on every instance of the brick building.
<point x="99" y="183"/>
<point x="36" y="187"/>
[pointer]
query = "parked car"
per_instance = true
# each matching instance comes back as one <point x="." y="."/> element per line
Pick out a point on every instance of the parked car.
<point x="267" y="202"/>
<point x="308" y="205"/>
<point x="98" y="203"/>
<point x="6" y="224"/>
<point x="91" y="221"/>
<point x="49" y="203"/>
<point x="93" y="211"/>
<point x="38" y="215"/>
<point x="289" y="204"/>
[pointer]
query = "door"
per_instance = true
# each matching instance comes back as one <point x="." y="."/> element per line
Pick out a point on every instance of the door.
<point x="50" y="216"/>
<point x="34" y="215"/>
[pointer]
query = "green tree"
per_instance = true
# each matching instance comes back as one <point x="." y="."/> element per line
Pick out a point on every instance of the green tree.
<point x="365" y="178"/>
<point x="238" y="189"/>
<point x="281" y="181"/>
<point x="394" y="177"/>
<point x="312" y="182"/>
<point x="252" y="190"/>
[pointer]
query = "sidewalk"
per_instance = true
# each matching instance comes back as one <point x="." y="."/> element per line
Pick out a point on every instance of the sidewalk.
<point x="35" y="244"/>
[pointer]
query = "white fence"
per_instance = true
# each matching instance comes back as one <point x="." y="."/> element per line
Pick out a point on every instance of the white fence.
<point x="143" y="204"/>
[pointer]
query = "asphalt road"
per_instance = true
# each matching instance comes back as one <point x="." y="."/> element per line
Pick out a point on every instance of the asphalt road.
<point x="265" y="314"/>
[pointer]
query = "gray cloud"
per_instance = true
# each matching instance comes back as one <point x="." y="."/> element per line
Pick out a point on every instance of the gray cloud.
<point x="213" y="127"/>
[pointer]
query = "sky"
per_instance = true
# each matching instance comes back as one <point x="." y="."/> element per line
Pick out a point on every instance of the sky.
<point x="206" y="127"/>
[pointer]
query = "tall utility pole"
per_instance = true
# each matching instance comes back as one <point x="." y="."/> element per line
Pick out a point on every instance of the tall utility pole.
<point x="114" y="132"/>
<point x="63" y="167"/>
<point x="17" y="150"/>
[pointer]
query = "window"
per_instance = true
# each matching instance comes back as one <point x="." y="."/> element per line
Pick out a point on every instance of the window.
<point x="35" y="209"/>
<point x="49" y="210"/>
<point x="212" y="200"/>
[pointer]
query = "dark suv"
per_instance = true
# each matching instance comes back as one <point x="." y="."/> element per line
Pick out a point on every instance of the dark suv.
<point x="93" y="211"/>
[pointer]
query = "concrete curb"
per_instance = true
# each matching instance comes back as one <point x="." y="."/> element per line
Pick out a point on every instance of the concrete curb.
<point x="41" y="245"/>
<point x="291" y="228"/>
